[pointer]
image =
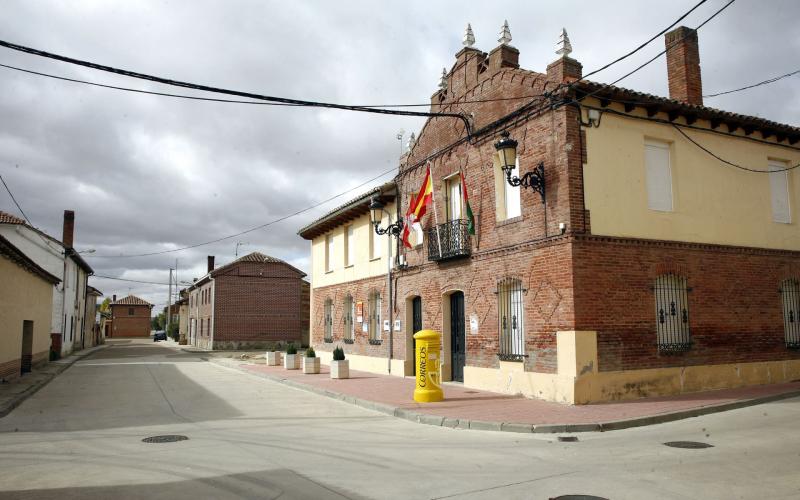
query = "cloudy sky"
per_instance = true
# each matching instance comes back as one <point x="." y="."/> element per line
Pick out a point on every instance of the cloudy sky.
<point x="146" y="173"/>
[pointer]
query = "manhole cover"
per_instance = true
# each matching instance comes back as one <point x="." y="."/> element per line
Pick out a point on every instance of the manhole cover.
<point x="692" y="445"/>
<point x="568" y="439"/>
<point x="170" y="438"/>
<point x="578" y="497"/>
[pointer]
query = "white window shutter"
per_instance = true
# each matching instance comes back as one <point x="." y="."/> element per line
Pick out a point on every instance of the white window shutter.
<point x="779" y="187"/>
<point x="658" y="176"/>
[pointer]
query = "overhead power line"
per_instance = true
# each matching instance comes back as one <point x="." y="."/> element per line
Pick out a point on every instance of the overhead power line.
<point x="765" y="82"/>
<point x="645" y="44"/>
<point x="219" y="90"/>
<point x="136" y="281"/>
<point x="256" y="228"/>
<point x="723" y="160"/>
<point x="236" y="101"/>
<point x="8" y="190"/>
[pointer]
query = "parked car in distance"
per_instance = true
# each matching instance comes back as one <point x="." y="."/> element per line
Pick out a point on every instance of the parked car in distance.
<point x="159" y="335"/>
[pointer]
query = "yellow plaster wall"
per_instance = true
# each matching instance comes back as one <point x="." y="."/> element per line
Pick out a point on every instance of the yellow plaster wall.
<point x="23" y="296"/>
<point x="363" y="267"/>
<point x="713" y="202"/>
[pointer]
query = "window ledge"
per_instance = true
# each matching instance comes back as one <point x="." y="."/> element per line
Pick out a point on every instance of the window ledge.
<point x="506" y="222"/>
<point x="347" y="341"/>
<point x="375" y="341"/>
<point x="520" y="358"/>
<point x="349" y="266"/>
<point x="329" y="272"/>
<point x="374" y="259"/>
<point x="328" y="341"/>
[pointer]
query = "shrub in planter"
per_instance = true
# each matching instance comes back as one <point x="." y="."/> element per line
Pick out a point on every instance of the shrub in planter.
<point x="340" y="367"/>
<point x="291" y="361"/>
<point x="310" y="361"/>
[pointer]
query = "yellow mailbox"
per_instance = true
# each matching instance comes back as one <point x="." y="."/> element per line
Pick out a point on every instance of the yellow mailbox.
<point x="429" y="347"/>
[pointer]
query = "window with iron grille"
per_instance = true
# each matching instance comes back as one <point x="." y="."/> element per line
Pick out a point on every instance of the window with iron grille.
<point x="790" y="295"/>
<point x="328" y="320"/>
<point x="511" y="316"/>
<point x="374" y="310"/>
<point x="672" y="313"/>
<point x="348" y="313"/>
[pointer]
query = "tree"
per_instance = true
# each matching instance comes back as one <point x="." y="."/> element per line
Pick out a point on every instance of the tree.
<point x="158" y="322"/>
<point x="105" y="305"/>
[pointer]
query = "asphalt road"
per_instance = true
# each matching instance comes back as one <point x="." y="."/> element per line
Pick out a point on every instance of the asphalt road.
<point x="81" y="437"/>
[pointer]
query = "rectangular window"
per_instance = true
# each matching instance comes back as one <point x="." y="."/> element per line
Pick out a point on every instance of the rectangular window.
<point x="374" y="307"/>
<point x="779" y="187"/>
<point x="658" y="176"/>
<point x="375" y="243"/>
<point x="130" y="311"/>
<point x="417" y="234"/>
<point x="511" y="316"/>
<point x="790" y="295"/>
<point x="453" y="185"/>
<point x="328" y="320"/>
<point x="349" y="245"/>
<point x="348" y="313"/>
<point x="672" y="313"/>
<point x="328" y="252"/>
<point x="512" y="198"/>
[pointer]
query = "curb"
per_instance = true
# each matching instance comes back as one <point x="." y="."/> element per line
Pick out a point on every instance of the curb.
<point x="59" y="367"/>
<point x="482" y="425"/>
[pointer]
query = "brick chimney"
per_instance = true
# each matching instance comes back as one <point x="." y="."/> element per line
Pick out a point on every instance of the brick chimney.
<point x="683" y="66"/>
<point x="69" y="228"/>
<point x="210" y="263"/>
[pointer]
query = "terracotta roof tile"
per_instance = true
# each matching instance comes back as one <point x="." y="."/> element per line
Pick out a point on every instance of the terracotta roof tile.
<point x="132" y="300"/>
<point x="7" y="218"/>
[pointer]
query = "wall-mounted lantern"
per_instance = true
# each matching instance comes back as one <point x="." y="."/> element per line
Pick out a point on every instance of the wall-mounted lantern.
<point x="507" y="152"/>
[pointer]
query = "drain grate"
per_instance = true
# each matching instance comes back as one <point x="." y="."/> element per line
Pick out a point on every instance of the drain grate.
<point x="578" y="497"/>
<point x="567" y="439"/>
<point x="169" y="438"/>
<point x="689" y="445"/>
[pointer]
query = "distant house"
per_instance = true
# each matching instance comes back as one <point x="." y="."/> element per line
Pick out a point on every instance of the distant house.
<point x="60" y="259"/>
<point x="250" y="303"/>
<point x="91" y="328"/>
<point x="26" y="303"/>
<point x="130" y="317"/>
<point x="183" y="316"/>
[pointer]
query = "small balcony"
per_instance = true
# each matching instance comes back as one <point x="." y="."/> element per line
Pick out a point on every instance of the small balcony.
<point x="449" y="241"/>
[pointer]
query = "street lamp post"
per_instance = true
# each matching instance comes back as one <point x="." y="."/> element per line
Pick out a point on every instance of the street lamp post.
<point x="507" y="153"/>
<point x="376" y="209"/>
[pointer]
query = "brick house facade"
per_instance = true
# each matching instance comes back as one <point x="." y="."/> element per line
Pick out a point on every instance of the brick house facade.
<point x="253" y="302"/>
<point x="611" y="285"/>
<point x="130" y="317"/>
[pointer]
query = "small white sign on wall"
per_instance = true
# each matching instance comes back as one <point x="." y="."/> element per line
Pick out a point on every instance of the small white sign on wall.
<point x="386" y="326"/>
<point x="473" y="324"/>
<point x="397" y="325"/>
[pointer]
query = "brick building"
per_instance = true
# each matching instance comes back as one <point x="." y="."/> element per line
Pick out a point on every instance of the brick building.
<point x="130" y="317"/>
<point x="643" y="266"/>
<point x="26" y="301"/>
<point x="251" y="303"/>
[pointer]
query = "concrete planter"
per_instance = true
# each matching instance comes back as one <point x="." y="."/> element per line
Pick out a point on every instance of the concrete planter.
<point x="291" y="361"/>
<point x="310" y="365"/>
<point x="273" y="358"/>
<point x="340" y="369"/>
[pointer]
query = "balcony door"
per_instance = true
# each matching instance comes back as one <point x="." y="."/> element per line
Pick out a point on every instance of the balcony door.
<point x="453" y="186"/>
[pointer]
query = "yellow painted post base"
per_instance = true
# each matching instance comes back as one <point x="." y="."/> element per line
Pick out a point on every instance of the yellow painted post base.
<point x="428" y="388"/>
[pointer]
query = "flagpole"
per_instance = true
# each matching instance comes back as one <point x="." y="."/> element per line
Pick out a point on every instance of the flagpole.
<point x="435" y="212"/>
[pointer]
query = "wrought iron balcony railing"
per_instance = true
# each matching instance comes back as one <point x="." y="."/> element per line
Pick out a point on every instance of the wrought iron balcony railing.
<point x="449" y="241"/>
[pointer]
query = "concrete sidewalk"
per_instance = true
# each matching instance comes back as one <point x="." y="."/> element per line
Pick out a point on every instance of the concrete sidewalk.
<point x="13" y="393"/>
<point x="472" y="409"/>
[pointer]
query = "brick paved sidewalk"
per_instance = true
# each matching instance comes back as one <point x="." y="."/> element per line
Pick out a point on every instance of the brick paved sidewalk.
<point x="468" y="408"/>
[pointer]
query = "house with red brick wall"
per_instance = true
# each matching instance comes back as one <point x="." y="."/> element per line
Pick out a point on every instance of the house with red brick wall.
<point x="254" y="302"/>
<point x="652" y="249"/>
<point x="26" y="301"/>
<point x="130" y="317"/>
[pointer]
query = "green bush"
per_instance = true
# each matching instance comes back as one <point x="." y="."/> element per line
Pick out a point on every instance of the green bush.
<point x="310" y="353"/>
<point x="338" y="354"/>
<point x="172" y="331"/>
<point x="277" y="347"/>
<point x="291" y="349"/>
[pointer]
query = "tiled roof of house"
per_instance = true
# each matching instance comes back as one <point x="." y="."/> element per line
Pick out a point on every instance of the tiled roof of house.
<point x="8" y="250"/>
<point x="254" y="257"/>
<point x="636" y="98"/>
<point x="7" y="218"/>
<point x="132" y="300"/>
<point x="348" y="211"/>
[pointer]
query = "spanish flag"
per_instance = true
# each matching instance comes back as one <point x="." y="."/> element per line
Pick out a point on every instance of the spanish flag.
<point x="418" y="206"/>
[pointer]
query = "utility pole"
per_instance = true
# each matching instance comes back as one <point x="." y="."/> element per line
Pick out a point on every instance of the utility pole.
<point x="169" y="300"/>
